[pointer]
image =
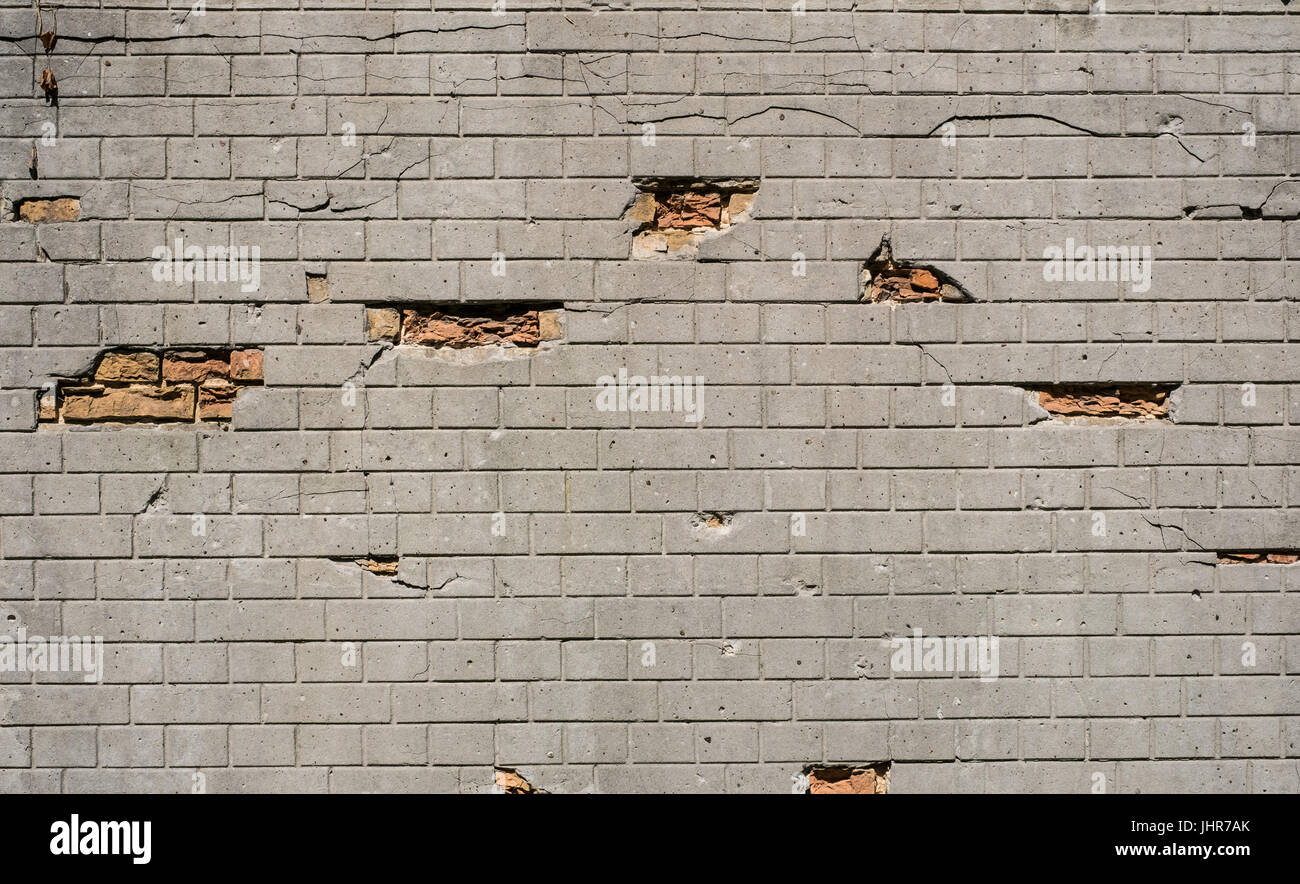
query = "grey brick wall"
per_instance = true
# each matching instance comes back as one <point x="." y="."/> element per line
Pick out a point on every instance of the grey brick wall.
<point x="622" y="600"/>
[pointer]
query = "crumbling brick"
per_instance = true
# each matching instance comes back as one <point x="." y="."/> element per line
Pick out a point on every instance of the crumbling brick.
<point x="318" y="288"/>
<point x="384" y="566"/>
<point x="1127" y="401"/>
<point x="884" y="279"/>
<point x="383" y="324"/>
<point x="195" y="365"/>
<point x="1258" y="558"/>
<point x="677" y="214"/>
<point x="456" y="327"/>
<point x="145" y="386"/>
<point x="438" y="329"/>
<point x="138" y="366"/>
<point x="48" y="210"/>
<point x="715" y="520"/>
<point x="130" y="403"/>
<point x="511" y="783"/>
<point x="692" y="208"/>
<point x="870" y="779"/>
<point x="246" y="365"/>
<point x="216" y="400"/>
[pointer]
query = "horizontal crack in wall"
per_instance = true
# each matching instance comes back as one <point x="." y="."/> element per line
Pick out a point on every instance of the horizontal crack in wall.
<point x="1123" y="401"/>
<point x="148" y="386"/>
<point x="384" y="566"/>
<point x="1259" y="558"/>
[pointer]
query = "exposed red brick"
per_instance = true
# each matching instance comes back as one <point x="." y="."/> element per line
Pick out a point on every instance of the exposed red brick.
<point x="318" y="288"/>
<point x="246" y="365"/>
<point x="142" y="385"/>
<point x="140" y="365"/>
<point x="550" y="325"/>
<point x="888" y="280"/>
<point x="216" y="400"/>
<point x="384" y="566"/>
<point x="1135" y="401"/>
<point x="867" y="780"/>
<point x="511" y="783"/>
<point x="132" y="403"/>
<point x="195" y="365"/>
<point x="434" y="328"/>
<point x="47" y="211"/>
<point x="675" y="215"/>
<point x="47" y="407"/>
<point x="1259" y="558"/>
<point x="691" y="208"/>
<point x="383" y="324"/>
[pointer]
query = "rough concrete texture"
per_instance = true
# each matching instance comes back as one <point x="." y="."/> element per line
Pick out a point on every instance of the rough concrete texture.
<point x="400" y="567"/>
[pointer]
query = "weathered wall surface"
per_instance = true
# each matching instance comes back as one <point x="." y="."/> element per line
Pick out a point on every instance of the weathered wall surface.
<point x="382" y="528"/>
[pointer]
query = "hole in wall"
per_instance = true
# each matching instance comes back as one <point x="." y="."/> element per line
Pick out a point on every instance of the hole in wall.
<point x="865" y="779"/>
<point x="676" y="215"/>
<point x="150" y="386"/>
<point x="318" y="288"/>
<point x="47" y="210"/>
<point x="1106" y="401"/>
<point x="884" y="279"/>
<point x="511" y="782"/>
<point x="464" y="326"/>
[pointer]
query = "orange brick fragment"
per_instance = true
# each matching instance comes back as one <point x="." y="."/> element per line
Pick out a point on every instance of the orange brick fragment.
<point x="195" y="365"/>
<point x="246" y="365"/>
<point x="140" y="365"/>
<point x="136" y="402"/>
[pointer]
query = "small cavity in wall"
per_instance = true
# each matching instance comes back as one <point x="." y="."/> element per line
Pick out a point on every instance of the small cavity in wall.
<point x="1258" y="558"/>
<point x="47" y="210"/>
<point x="677" y="214"/>
<point x="464" y="326"/>
<point x="1106" y="401"/>
<point x="867" y="779"/>
<point x="714" y="521"/>
<point x="318" y="288"/>
<point x="148" y="386"/>
<point x="884" y="279"/>
<point x="383" y="566"/>
<point x="511" y="782"/>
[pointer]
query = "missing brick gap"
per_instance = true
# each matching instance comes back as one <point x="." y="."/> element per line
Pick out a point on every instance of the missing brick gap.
<point x="318" y="288"/>
<point x="1259" y="558"/>
<point x="511" y="782"/>
<point x="151" y="386"/>
<point x="866" y="779"/>
<point x="457" y="327"/>
<point x="676" y="215"/>
<point x="1091" y="403"/>
<point x="713" y="521"/>
<point x="47" y="210"/>
<point x="884" y="279"/>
